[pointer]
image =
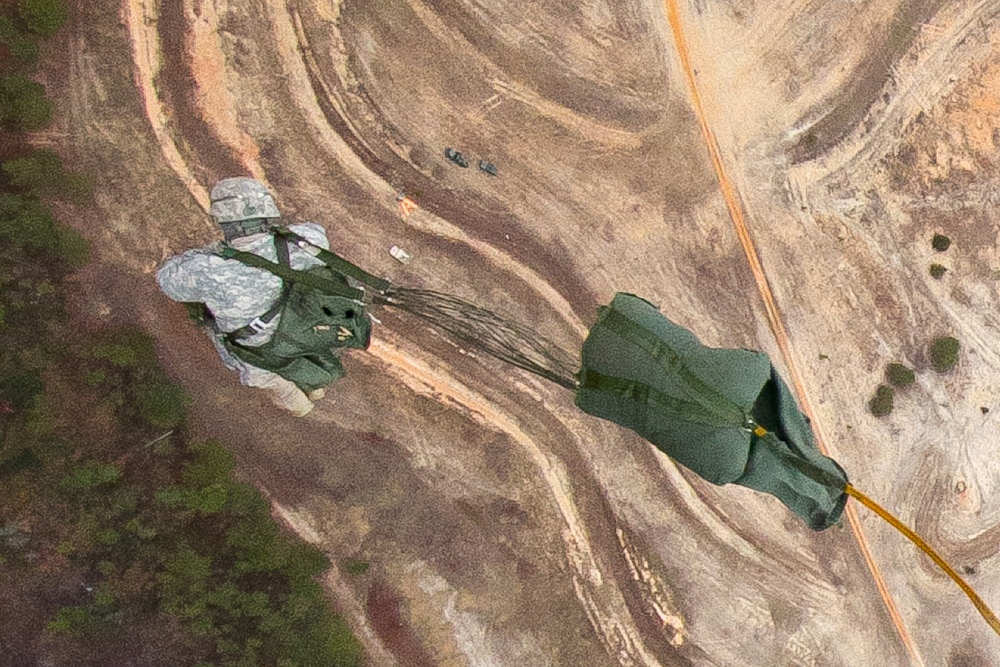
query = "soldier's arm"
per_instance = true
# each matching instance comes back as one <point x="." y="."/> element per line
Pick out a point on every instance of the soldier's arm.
<point x="313" y="233"/>
<point x="186" y="277"/>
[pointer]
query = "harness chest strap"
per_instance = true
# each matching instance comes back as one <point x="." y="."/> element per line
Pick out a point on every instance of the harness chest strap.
<point x="290" y="275"/>
<point x="335" y="262"/>
<point x="259" y="323"/>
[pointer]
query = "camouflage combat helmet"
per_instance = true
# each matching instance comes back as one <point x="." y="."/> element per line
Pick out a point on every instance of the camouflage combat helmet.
<point x="242" y="206"/>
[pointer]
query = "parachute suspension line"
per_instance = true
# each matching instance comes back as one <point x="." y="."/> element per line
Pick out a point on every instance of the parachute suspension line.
<point x="985" y="611"/>
<point x="479" y="328"/>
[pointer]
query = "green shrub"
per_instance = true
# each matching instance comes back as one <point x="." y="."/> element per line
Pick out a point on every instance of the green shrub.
<point x="25" y="459"/>
<point x="940" y="242"/>
<point x="90" y="475"/>
<point x="76" y="621"/>
<point x="43" y="17"/>
<point x="212" y="464"/>
<point x="899" y="375"/>
<point x="18" y="389"/>
<point x="72" y="248"/>
<point x="25" y="221"/>
<point x="161" y="403"/>
<point x="944" y="353"/>
<point x="355" y="566"/>
<point x="21" y="46"/>
<point x="23" y="105"/>
<point x="128" y="349"/>
<point x="42" y="172"/>
<point x="938" y="271"/>
<point x="881" y="404"/>
<point x="206" y="500"/>
<point x="327" y="641"/>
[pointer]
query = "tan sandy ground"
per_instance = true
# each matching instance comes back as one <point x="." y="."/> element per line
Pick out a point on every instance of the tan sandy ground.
<point x="503" y="526"/>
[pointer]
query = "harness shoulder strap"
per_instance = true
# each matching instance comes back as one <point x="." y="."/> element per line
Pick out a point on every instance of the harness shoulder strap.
<point x="281" y="248"/>
<point x="336" y="262"/>
<point x="289" y="274"/>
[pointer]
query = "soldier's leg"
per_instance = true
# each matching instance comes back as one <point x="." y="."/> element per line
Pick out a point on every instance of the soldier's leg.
<point x="285" y="394"/>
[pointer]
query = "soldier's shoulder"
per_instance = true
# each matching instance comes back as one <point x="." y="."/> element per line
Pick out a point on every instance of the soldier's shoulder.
<point x="190" y="259"/>
<point x="312" y="232"/>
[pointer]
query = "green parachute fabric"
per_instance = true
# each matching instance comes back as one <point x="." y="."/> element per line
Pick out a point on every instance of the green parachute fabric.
<point x="707" y="408"/>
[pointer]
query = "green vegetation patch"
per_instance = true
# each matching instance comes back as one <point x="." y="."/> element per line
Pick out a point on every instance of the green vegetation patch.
<point x="42" y="172"/>
<point x="940" y="242"/>
<point x="355" y="566"/>
<point x="26" y="221"/>
<point x="881" y="404"/>
<point x="23" y="47"/>
<point x="899" y="375"/>
<point x="938" y="271"/>
<point x="43" y="17"/>
<point x="120" y="535"/>
<point x="944" y="353"/>
<point x="23" y="105"/>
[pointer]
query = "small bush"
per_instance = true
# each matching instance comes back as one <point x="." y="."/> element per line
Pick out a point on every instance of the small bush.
<point x="944" y="353"/>
<point x="41" y="170"/>
<point x="20" y="45"/>
<point x="43" y="17"/>
<point x="90" y="475"/>
<point x="26" y="221"/>
<point x="161" y="403"/>
<point x="940" y="242"/>
<point x="72" y="248"/>
<point x="26" y="459"/>
<point x="899" y="375"/>
<point x="355" y="566"/>
<point x="127" y="349"/>
<point x="23" y="105"/>
<point x="75" y="621"/>
<point x="881" y="404"/>
<point x="18" y="389"/>
<point x="937" y="271"/>
<point x="43" y="173"/>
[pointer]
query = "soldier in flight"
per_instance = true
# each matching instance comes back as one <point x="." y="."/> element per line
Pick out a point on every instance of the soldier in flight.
<point x="276" y="332"/>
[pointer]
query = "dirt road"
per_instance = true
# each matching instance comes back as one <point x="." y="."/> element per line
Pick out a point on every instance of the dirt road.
<point x="503" y="527"/>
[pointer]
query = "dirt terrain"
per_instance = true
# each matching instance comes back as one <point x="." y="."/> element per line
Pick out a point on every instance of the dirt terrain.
<point x="641" y="146"/>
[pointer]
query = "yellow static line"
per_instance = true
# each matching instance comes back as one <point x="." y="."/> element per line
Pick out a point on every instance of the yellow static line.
<point x="984" y="610"/>
<point x="771" y="308"/>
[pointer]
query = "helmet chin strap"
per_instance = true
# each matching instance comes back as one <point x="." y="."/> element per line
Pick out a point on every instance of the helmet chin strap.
<point x="237" y="229"/>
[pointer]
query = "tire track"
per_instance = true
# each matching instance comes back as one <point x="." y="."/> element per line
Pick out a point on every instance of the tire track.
<point x="774" y="316"/>
<point x="607" y="611"/>
<point x="302" y="69"/>
<point x="147" y="61"/>
<point x="926" y="79"/>
<point x="489" y="226"/>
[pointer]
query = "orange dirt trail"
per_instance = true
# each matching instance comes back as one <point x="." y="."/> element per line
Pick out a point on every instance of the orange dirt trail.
<point x="773" y="316"/>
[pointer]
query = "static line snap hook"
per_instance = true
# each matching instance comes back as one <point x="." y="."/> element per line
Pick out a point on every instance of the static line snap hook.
<point x="754" y="427"/>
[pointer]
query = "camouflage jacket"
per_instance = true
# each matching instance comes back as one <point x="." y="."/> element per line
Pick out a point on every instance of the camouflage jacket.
<point x="234" y="292"/>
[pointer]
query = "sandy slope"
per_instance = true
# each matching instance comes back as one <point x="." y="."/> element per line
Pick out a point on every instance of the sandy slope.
<point x="503" y="526"/>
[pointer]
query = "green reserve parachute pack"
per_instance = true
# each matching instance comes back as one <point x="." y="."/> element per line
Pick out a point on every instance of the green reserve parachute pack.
<point x="723" y="413"/>
<point x="320" y="312"/>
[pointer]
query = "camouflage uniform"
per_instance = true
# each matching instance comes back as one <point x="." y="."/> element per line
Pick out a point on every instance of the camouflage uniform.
<point x="237" y="294"/>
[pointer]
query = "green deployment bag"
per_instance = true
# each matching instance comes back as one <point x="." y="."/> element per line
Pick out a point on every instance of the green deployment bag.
<point x="723" y="413"/>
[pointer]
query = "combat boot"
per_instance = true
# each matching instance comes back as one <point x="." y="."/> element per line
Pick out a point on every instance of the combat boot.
<point x="291" y="398"/>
